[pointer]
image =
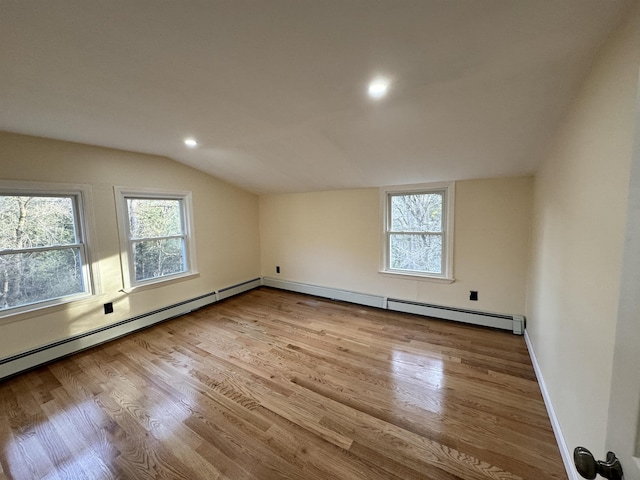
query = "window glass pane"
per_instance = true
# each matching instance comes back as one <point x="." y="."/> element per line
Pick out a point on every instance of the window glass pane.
<point x="416" y="212"/>
<point x="27" y="222"/>
<point x="154" y="217"/>
<point x="157" y="258"/>
<point x="420" y="253"/>
<point x="28" y="278"/>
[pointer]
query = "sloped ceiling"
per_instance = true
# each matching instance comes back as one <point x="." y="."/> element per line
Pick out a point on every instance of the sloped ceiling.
<point x="275" y="90"/>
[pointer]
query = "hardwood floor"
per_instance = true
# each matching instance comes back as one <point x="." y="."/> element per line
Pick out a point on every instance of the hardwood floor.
<point x="271" y="384"/>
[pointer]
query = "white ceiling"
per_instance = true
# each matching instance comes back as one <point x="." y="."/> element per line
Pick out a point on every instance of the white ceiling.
<point x="275" y="90"/>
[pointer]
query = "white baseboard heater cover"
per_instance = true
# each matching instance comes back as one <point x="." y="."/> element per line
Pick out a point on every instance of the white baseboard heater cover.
<point x="14" y="364"/>
<point x="326" y="292"/>
<point x="515" y="323"/>
<point x="239" y="288"/>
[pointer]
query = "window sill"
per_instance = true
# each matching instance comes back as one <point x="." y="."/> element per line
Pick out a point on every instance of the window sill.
<point x="417" y="276"/>
<point x="160" y="282"/>
<point x="45" y="308"/>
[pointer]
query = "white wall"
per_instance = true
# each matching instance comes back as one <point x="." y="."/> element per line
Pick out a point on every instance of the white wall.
<point x="579" y="219"/>
<point x="333" y="239"/>
<point x="226" y="227"/>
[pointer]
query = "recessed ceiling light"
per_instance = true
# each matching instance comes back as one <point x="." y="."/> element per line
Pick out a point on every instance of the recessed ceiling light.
<point x="190" y="142"/>
<point x="378" y="88"/>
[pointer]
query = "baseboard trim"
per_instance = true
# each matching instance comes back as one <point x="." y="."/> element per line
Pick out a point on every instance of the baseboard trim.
<point x="238" y="288"/>
<point x="18" y="363"/>
<point x="514" y="323"/>
<point x="326" y="292"/>
<point x="565" y="453"/>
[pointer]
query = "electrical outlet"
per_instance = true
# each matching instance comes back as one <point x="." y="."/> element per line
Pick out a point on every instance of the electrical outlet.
<point x="473" y="295"/>
<point x="108" y="308"/>
<point x="278" y="269"/>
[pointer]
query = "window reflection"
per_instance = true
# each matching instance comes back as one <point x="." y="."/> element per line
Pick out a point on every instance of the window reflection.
<point x="418" y="380"/>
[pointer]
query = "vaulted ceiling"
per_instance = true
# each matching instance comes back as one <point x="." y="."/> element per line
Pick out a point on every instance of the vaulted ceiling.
<point x="275" y="91"/>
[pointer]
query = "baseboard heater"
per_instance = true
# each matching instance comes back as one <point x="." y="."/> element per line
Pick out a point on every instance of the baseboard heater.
<point x="14" y="364"/>
<point x="238" y="288"/>
<point x="514" y="323"/>
<point x="326" y="292"/>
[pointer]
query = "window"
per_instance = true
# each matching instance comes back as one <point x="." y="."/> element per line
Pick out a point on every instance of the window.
<point x="418" y="233"/>
<point x="43" y="247"/>
<point x="156" y="235"/>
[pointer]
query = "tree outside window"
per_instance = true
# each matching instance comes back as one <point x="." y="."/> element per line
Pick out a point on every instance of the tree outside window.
<point x="42" y="249"/>
<point x="415" y="236"/>
<point x="156" y="236"/>
<point x="418" y="230"/>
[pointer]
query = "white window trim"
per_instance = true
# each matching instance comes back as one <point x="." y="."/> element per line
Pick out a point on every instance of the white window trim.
<point x="126" y="255"/>
<point x="449" y="208"/>
<point x="86" y="227"/>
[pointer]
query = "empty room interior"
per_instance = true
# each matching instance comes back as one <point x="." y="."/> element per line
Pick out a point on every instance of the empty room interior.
<point x="368" y="239"/>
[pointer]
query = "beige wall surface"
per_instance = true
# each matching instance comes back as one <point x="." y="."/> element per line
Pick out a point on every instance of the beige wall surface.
<point x="226" y="230"/>
<point x="333" y="239"/>
<point x="579" y="219"/>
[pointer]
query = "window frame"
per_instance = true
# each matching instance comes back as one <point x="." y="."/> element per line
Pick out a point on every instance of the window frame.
<point x="84" y="225"/>
<point x="447" y="189"/>
<point x="126" y="242"/>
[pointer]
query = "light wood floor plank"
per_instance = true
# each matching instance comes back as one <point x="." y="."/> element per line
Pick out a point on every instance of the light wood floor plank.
<point x="277" y="385"/>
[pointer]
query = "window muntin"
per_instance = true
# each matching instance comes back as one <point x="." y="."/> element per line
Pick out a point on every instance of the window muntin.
<point x="157" y="235"/>
<point x="415" y="236"/>
<point x="43" y="251"/>
<point x="157" y="240"/>
<point x="417" y="230"/>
